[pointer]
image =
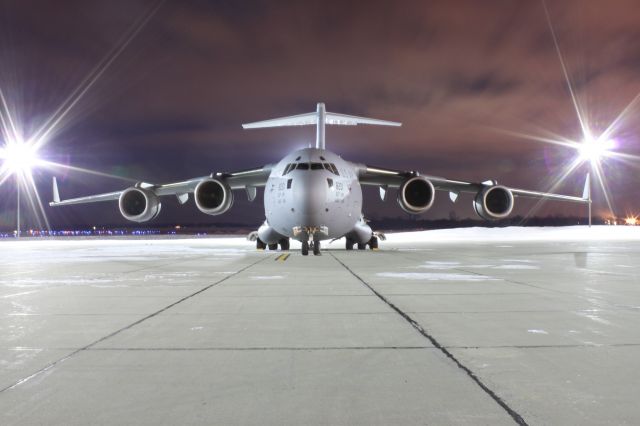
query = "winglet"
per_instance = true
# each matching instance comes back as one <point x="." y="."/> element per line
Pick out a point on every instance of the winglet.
<point x="56" y="194"/>
<point x="586" y="192"/>
<point x="586" y="195"/>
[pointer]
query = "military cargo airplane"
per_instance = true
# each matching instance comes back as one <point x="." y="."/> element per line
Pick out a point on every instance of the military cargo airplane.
<point x="313" y="194"/>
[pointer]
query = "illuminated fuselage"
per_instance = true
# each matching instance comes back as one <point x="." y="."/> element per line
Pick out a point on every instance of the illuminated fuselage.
<point x="313" y="191"/>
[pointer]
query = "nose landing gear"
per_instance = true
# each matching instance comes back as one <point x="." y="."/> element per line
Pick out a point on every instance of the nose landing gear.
<point x="313" y="233"/>
<point x="313" y="245"/>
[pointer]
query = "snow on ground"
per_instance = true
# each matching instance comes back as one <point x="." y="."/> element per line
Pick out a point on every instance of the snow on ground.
<point x="137" y="247"/>
<point x="518" y="233"/>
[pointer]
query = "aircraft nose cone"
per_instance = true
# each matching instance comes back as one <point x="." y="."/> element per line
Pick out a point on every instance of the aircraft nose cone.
<point x="310" y="195"/>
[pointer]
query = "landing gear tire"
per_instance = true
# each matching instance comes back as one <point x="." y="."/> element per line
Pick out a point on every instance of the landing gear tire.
<point x="284" y="244"/>
<point x="260" y="245"/>
<point x="373" y="243"/>
<point x="362" y="246"/>
<point x="305" y="248"/>
<point x="316" y="248"/>
<point x="273" y="246"/>
<point x="348" y="244"/>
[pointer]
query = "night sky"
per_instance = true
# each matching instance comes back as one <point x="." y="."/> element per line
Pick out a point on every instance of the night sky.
<point x="457" y="74"/>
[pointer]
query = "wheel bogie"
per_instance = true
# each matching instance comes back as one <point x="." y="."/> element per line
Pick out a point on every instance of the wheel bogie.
<point x="373" y="243"/>
<point x="349" y="244"/>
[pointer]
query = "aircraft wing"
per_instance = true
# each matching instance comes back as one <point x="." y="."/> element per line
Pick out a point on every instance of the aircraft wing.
<point x="388" y="178"/>
<point x="245" y="179"/>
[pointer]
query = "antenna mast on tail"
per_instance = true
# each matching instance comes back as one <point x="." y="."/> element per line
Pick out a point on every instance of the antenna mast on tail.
<point x="320" y="119"/>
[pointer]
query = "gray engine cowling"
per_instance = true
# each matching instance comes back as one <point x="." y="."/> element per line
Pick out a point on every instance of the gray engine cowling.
<point x="139" y="204"/>
<point x="213" y="196"/>
<point x="493" y="202"/>
<point x="416" y="195"/>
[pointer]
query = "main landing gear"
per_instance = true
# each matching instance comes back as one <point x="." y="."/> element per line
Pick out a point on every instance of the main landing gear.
<point x="283" y="243"/>
<point x="372" y="243"/>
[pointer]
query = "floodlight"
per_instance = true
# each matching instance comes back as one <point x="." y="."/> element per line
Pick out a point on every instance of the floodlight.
<point x="593" y="149"/>
<point x="19" y="156"/>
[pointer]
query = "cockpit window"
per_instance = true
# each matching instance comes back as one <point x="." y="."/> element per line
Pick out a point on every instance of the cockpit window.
<point x="311" y="166"/>
<point x="289" y="167"/>
<point x="332" y="168"/>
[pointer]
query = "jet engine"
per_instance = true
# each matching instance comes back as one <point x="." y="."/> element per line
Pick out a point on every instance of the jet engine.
<point x="213" y="196"/>
<point x="493" y="202"/>
<point x="416" y="195"/>
<point x="139" y="204"/>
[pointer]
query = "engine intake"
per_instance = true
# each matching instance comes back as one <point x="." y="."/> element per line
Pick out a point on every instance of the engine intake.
<point x="493" y="202"/>
<point x="213" y="196"/>
<point x="139" y="204"/>
<point x="416" y="195"/>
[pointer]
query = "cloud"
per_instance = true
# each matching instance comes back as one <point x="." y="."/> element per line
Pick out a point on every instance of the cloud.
<point x="452" y="72"/>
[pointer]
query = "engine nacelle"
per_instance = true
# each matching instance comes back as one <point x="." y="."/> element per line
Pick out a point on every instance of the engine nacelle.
<point x="493" y="202"/>
<point x="213" y="196"/>
<point x="139" y="204"/>
<point x="416" y="195"/>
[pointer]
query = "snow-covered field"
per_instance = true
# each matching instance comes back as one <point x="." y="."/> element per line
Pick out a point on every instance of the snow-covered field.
<point x="517" y="233"/>
<point x="235" y="244"/>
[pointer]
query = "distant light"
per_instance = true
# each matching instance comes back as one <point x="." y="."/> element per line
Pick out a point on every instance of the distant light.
<point x="19" y="156"/>
<point x="631" y="220"/>
<point x="593" y="149"/>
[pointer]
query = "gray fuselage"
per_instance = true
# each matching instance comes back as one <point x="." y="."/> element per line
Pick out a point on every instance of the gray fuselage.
<point x="315" y="191"/>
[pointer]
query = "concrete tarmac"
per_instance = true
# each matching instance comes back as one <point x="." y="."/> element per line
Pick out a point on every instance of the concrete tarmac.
<point x="210" y="331"/>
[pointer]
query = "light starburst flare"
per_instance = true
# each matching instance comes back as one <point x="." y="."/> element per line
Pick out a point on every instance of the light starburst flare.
<point x="20" y="156"/>
<point x="589" y="149"/>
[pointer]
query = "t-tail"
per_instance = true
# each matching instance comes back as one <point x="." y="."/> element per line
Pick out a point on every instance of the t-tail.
<point x="320" y="119"/>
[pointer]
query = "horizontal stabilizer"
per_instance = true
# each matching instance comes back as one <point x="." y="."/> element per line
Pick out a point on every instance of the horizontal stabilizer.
<point x="352" y="120"/>
<point x="320" y="119"/>
<point x="294" y="120"/>
<point x="311" y="119"/>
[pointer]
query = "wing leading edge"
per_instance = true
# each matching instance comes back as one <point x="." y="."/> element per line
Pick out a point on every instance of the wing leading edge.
<point x="378" y="176"/>
<point x="245" y="179"/>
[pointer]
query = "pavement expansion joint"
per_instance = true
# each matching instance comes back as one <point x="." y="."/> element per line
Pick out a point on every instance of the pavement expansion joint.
<point x="108" y="336"/>
<point x="514" y="415"/>
<point x="267" y="348"/>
